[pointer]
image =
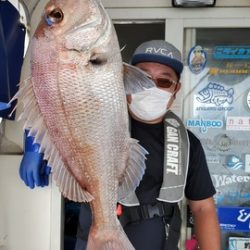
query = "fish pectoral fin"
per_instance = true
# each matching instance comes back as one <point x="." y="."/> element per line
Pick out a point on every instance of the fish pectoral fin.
<point x="134" y="170"/>
<point x="135" y="79"/>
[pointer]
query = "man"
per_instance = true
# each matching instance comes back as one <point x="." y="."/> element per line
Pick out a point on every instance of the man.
<point x="175" y="164"/>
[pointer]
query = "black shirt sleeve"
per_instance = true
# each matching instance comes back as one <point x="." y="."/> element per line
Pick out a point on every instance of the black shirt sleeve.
<point x="199" y="185"/>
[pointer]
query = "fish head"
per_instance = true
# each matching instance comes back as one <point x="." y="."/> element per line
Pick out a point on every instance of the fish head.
<point x="76" y="31"/>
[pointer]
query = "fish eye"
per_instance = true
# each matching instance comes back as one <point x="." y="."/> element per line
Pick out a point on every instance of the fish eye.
<point x="98" y="60"/>
<point x="54" y="17"/>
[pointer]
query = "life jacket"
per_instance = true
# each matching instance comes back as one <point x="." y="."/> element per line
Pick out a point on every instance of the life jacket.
<point x="176" y="161"/>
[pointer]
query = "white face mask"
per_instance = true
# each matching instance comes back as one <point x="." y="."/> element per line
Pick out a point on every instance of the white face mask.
<point x="150" y="104"/>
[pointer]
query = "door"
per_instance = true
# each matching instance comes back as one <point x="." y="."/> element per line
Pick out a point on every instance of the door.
<point x="216" y="107"/>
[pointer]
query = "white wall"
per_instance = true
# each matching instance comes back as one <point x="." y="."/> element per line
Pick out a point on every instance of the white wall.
<point x="29" y="219"/>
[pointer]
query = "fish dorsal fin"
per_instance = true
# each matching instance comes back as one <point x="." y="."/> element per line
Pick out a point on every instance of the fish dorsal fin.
<point x="135" y="79"/>
<point x="134" y="170"/>
<point x="34" y="122"/>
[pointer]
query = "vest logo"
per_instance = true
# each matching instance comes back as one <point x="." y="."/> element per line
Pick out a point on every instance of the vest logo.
<point x="204" y="125"/>
<point x="224" y="180"/>
<point x="160" y="51"/>
<point x="231" y="52"/>
<point x="173" y="122"/>
<point x="172" y="151"/>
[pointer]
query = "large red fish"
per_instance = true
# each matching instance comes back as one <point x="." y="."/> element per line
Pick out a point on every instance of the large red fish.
<point x="75" y="106"/>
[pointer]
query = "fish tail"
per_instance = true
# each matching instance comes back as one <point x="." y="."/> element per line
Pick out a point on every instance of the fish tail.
<point x="111" y="240"/>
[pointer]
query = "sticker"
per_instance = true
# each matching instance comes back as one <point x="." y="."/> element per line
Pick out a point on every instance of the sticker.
<point x="204" y="125"/>
<point x="238" y="123"/>
<point x="233" y="162"/>
<point x="197" y="59"/>
<point x="238" y="243"/>
<point x="248" y="99"/>
<point x="231" y="52"/>
<point x="225" y="180"/>
<point x="231" y="197"/>
<point x="234" y="218"/>
<point x="219" y="71"/>
<point x="216" y="94"/>
<point x="224" y="143"/>
<point x="247" y="163"/>
<point x="212" y="159"/>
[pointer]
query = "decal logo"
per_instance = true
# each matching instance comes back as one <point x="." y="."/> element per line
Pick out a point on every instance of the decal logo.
<point x="197" y="59"/>
<point x="204" y="125"/>
<point x="238" y="123"/>
<point x="239" y="243"/>
<point x="247" y="163"/>
<point x="216" y="94"/>
<point x="213" y="159"/>
<point x="231" y="52"/>
<point x="244" y="216"/>
<point x="233" y="162"/>
<point x="248" y="99"/>
<point x="234" y="218"/>
<point x="224" y="143"/>
<point x="224" y="180"/>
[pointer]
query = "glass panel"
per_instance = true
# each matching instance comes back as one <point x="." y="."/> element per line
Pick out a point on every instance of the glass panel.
<point x="217" y="109"/>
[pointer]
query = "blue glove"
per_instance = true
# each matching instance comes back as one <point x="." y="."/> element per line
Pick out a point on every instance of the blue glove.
<point x="33" y="170"/>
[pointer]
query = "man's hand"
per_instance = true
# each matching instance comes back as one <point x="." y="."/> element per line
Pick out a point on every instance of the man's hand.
<point x="33" y="170"/>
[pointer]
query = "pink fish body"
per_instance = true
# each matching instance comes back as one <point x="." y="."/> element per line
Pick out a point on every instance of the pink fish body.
<point x="75" y="106"/>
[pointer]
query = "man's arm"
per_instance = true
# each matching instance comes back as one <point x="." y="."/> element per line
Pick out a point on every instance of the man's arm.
<point x="206" y="224"/>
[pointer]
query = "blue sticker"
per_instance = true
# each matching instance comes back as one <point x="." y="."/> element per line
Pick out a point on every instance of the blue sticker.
<point x="231" y="52"/>
<point x="233" y="162"/>
<point x="215" y="93"/>
<point x="197" y="59"/>
<point x="234" y="218"/>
